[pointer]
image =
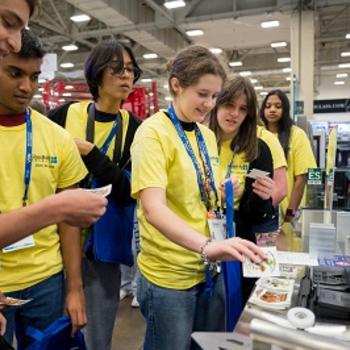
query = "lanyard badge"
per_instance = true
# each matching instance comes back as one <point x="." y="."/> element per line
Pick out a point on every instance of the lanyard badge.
<point x="205" y="178"/>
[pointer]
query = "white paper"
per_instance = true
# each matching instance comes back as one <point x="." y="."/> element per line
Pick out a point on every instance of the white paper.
<point x="103" y="191"/>
<point x="267" y="268"/>
<point x="255" y="173"/>
<point x="22" y="244"/>
<point x="292" y="258"/>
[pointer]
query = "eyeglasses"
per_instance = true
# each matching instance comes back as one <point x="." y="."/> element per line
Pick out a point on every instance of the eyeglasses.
<point x="131" y="70"/>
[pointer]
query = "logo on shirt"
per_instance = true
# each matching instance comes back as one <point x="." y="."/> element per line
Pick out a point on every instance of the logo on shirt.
<point x="214" y="161"/>
<point x="44" y="161"/>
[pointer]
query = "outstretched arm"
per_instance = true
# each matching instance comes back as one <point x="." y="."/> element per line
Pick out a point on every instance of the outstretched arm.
<point x="75" y="207"/>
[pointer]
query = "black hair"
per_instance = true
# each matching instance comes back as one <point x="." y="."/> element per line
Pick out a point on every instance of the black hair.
<point x="101" y="57"/>
<point x="285" y="123"/>
<point x="34" y="7"/>
<point x="31" y="45"/>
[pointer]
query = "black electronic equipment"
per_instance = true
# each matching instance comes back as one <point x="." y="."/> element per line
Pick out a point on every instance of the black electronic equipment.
<point x="326" y="291"/>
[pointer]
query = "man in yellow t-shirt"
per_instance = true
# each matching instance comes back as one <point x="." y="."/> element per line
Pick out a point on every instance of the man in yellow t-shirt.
<point x="38" y="159"/>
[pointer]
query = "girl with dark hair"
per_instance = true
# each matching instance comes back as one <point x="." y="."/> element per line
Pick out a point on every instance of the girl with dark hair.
<point x="275" y="113"/>
<point x="103" y="132"/>
<point x="234" y="121"/>
<point x="175" y="168"/>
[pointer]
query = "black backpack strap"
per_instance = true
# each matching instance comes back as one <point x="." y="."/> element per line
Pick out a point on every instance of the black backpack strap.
<point x="134" y="123"/>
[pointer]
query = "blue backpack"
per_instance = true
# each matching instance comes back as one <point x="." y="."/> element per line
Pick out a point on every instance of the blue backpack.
<point x="56" y="337"/>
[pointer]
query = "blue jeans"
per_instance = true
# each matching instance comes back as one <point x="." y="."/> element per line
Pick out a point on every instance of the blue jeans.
<point x="47" y="305"/>
<point x="173" y="315"/>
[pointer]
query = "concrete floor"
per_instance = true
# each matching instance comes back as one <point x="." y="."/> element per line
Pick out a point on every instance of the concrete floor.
<point x="130" y="327"/>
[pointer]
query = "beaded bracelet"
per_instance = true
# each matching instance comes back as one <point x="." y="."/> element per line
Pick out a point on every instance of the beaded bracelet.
<point x="202" y="252"/>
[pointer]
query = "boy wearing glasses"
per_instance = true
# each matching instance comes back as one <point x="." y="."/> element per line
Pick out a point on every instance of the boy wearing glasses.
<point x="110" y="71"/>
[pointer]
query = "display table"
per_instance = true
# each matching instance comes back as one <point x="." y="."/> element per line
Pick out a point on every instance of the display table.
<point x="264" y="329"/>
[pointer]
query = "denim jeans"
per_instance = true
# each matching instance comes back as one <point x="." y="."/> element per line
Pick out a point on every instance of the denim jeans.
<point x="173" y="315"/>
<point x="46" y="306"/>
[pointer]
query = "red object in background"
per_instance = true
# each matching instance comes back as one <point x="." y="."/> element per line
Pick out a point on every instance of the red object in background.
<point x="142" y="101"/>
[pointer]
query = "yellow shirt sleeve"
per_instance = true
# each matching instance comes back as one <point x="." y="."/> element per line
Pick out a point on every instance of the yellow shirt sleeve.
<point x="148" y="164"/>
<point x="279" y="160"/>
<point x="300" y="152"/>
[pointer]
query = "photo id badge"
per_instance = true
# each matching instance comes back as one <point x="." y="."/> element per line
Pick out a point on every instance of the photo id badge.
<point x="217" y="228"/>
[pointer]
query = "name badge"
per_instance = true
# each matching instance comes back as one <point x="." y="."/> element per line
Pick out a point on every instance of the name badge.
<point x="22" y="244"/>
<point x="217" y="228"/>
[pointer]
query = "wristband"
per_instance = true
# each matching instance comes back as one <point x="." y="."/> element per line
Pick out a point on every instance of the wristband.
<point x="202" y="251"/>
<point x="290" y="212"/>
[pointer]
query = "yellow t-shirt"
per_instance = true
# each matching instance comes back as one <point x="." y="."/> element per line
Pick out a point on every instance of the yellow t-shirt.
<point x="278" y="158"/>
<point x="159" y="159"/>
<point x="77" y="120"/>
<point x="300" y="159"/>
<point x="239" y="169"/>
<point x="56" y="164"/>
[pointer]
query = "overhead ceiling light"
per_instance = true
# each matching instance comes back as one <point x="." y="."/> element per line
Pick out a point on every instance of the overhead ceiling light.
<point x="166" y="86"/>
<point x="270" y="24"/>
<point x="168" y="98"/>
<point x="342" y="75"/>
<point x="149" y="56"/>
<point x="253" y="81"/>
<point x="258" y="87"/>
<point x="263" y="93"/>
<point x="345" y="54"/>
<point x="69" y="87"/>
<point x="245" y="73"/>
<point x="67" y="65"/>
<point x="283" y="59"/>
<point x="287" y="70"/>
<point x="344" y="65"/>
<point x="339" y="82"/>
<point x="41" y="89"/>
<point x="174" y="4"/>
<point x="235" y="63"/>
<point x="80" y="18"/>
<point x="41" y="81"/>
<point x="215" y="50"/>
<point x="194" y="32"/>
<point x="146" y="80"/>
<point x="278" y="44"/>
<point x="347" y="36"/>
<point x="71" y="47"/>
<point x="288" y="78"/>
<point x="37" y="96"/>
<point x="67" y="94"/>
<point x="62" y="100"/>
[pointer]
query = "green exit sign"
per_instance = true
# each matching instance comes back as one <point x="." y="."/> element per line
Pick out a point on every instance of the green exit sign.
<point x="314" y="176"/>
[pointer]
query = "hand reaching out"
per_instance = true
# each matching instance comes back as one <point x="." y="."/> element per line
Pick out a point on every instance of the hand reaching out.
<point x="263" y="187"/>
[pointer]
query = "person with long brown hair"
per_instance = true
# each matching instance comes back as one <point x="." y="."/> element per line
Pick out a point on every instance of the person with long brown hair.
<point x="234" y="121"/>
<point x="174" y="179"/>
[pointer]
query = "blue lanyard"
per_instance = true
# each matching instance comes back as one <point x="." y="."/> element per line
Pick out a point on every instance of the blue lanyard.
<point x="109" y="138"/>
<point x="203" y="151"/>
<point x="28" y="156"/>
<point x="230" y="209"/>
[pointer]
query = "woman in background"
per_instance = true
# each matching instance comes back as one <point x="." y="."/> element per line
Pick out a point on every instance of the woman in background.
<point x="234" y="122"/>
<point x="275" y="113"/>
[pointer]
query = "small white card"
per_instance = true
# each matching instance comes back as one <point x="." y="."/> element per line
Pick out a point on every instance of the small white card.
<point x="24" y="243"/>
<point x="103" y="191"/>
<point x="8" y="301"/>
<point x="267" y="268"/>
<point x="255" y="173"/>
